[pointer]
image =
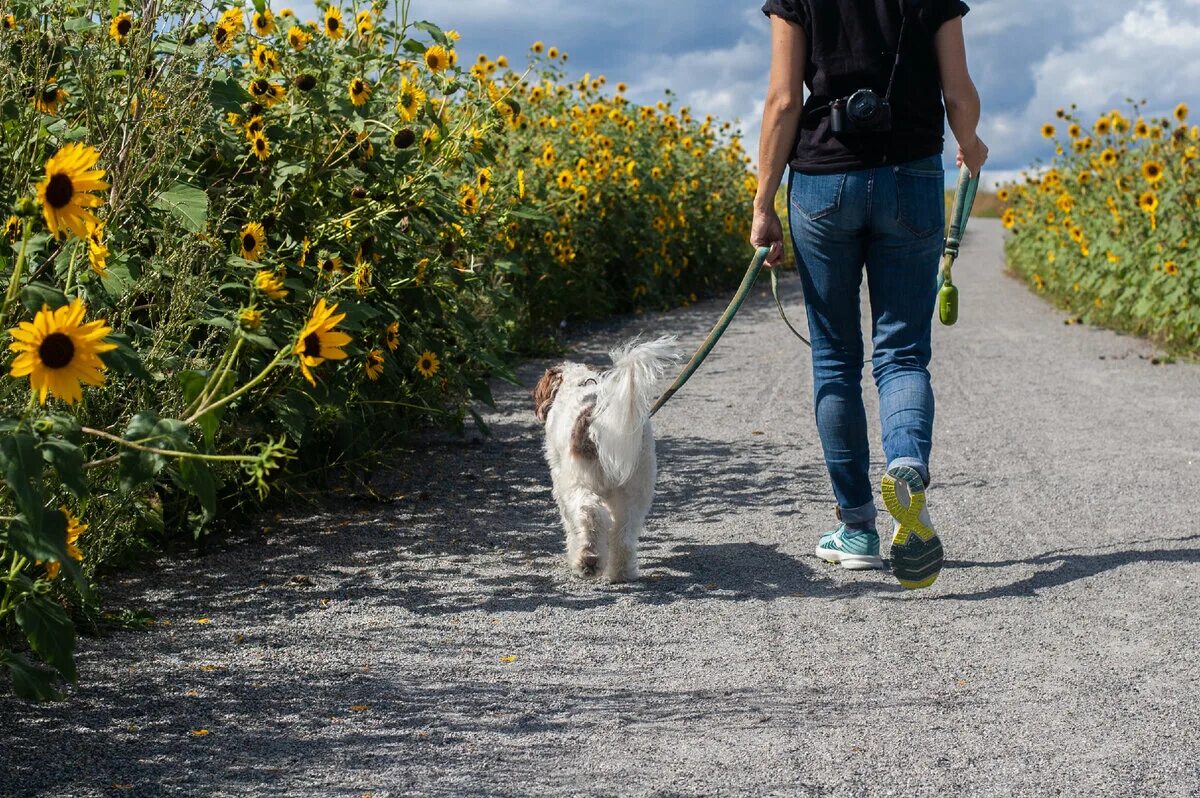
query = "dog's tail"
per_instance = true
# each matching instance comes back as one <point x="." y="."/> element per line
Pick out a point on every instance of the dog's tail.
<point x="623" y="403"/>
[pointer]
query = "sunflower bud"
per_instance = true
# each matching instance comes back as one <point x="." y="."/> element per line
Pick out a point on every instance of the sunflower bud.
<point x="305" y="82"/>
<point x="43" y="426"/>
<point x="27" y="207"/>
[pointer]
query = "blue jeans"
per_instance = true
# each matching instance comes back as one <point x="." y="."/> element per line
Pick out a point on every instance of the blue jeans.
<point x="890" y="220"/>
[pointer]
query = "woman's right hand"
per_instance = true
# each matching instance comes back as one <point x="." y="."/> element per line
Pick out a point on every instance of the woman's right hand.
<point x="767" y="231"/>
<point x="974" y="155"/>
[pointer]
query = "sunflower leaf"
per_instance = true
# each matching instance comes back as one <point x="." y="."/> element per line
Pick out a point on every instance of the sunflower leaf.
<point x="29" y="681"/>
<point x="36" y="296"/>
<point x="67" y="459"/>
<point x="414" y="46"/>
<point x="23" y="473"/>
<point x="433" y="30"/>
<point x="187" y="203"/>
<point x="124" y="359"/>
<point x="138" y="467"/>
<point x="197" y="478"/>
<point x="50" y="633"/>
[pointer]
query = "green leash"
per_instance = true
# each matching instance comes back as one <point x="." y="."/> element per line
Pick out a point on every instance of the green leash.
<point x="964" y="200"/>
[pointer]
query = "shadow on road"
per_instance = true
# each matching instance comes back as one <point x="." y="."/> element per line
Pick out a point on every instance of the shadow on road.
<point x="1072" y="566"/>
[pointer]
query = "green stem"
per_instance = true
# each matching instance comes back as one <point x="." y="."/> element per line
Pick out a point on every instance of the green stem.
<point x="262" y="375"/>
<point x="71" y="269"/>
<point x="213" y="384"/>
<point x="14" y="283"/>
<point x="227" y="458"/>
<point x="18" y="562"/>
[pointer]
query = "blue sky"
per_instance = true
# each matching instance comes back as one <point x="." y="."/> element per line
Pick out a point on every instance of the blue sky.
<point x="1028" y="57"/>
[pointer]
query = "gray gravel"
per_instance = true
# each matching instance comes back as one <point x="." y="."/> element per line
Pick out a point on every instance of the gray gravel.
<point x="360" y="647"/>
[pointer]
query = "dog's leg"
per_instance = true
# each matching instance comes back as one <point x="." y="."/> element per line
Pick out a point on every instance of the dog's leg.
<point x="588" y="522"/>
<point x="622" y="565"/>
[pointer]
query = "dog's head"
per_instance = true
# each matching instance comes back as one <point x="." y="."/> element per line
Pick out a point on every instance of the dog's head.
<point x="545" y="391"/>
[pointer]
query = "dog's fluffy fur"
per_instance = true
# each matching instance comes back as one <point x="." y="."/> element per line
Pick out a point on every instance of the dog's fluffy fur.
<point x="600" y="448"/>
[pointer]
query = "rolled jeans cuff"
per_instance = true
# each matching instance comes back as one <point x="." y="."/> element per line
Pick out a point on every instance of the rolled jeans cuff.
<point x="914" y="464"/>
<point x="858" y="516"/>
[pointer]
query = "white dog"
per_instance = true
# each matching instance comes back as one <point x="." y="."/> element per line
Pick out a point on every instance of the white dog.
<point x="600" y="447"/>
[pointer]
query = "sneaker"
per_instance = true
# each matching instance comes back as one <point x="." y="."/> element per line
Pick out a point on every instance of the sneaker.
<point x="854" y="550"/>
<point x="916" y="549"/>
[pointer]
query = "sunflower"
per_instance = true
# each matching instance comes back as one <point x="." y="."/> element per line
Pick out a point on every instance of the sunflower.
<point x="223" y="36"/>
<point x="329" y="266"/>
<point x="404" y="138"/>
<point x="360" y="91"/>
<point x="49" y="99"/>
<point x="362" y="278"/>
<point x="552" y="53"/>
<point x="537" y="47"/>
<point x="437" y="58"/>
<point x="521" y="184"/>
<point x="565" y="179"/>
<point x="1009" y="219"/>
<point x="74" y="529"/>
<point x="373" y="365"/>
<point x="1181" y="113"/>
<point x="64" y="191"/>
<point x="1148" y="202"/>
<point x="253" y="240"/>
<point x="1103" y="126"/>
<point x="120" y="27"/>
<point x="260" y="146"/>
<point x="97" y="251"/>
<point x="1065" y="203"/>
<point x="318" y="341"/>
<point x="1108" y="157"/>
<point x="411" y="100"/>
<point x="266" y="92"/>
<point x="8" y="22"/>
<point x="286" y="13"/>
<point x="305" y="81"/>
<point x="428" y="364"/>
<point x="1153" y="171"/>
<point x="1048" y="131"/>
<point x="468" y="200"/>
<point x="391" y="336"/>
<point x="265" y="59"/>
<point x="270" y="284"/>
<point x="234" y="19"/>
<point x="298" y="38"/>
<point x="263" y="23"/>
<point x="484" y="180"/>
<point x="333" y="22"/>
<point x="363" y="22"/>
<point x="57" y="351"/>
<point x="1141" y="130"/>
<point x="1171" y="268"/>
<point x="250" y="318"/>
<point x="12" y="228"/>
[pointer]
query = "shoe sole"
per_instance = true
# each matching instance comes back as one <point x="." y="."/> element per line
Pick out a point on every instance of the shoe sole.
<point x="851" y="562"/>
<point x="917" y="555"/>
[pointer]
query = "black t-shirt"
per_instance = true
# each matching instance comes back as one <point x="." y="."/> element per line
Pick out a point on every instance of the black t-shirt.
<point x="851" y="46"/>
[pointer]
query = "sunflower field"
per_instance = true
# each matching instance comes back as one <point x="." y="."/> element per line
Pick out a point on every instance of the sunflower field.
<point x="241" y="247"/>
<point x="1109" y="230"/>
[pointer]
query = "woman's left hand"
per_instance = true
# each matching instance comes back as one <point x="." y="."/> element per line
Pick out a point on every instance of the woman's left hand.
<point x="767" y="231"/>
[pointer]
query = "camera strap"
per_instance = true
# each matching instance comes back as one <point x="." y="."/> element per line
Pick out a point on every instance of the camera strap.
<point x="899" y="50"/>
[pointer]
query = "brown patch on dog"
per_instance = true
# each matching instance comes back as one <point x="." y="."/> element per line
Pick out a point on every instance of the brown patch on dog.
<point x="582" y="444"/>
<point x="545" y="391"/>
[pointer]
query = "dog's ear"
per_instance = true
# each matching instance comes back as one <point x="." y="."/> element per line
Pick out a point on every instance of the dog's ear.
<point x="545" y="391"/>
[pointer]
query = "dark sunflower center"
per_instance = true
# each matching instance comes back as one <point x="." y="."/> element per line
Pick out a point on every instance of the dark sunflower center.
<point x="260" y="143"/>
<point x="358" y="86"/>
<point x="260" y="86"/>
<point x="220" y="35"/>
<point x="333" y="23"/>
<point x="49" y="96"/>
<point x="312" y="345"/>
<point x="248" y="242"/>
<point x="426" y="365"/>
<point x="124" y="26"/>
<point x="56" y="350"/>
<point x="306" y="82"/>
<point x="404" y="138"/>
<point x="59" y="191"/>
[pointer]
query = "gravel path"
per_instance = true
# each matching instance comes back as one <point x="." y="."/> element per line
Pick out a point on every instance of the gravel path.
<point x="428" y="642"/>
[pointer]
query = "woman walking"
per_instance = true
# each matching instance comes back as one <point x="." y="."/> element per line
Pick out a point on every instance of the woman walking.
<point x="865" y="192"/>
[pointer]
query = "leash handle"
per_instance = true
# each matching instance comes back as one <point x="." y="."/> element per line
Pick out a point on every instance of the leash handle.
<point x="964" y="201"/>
<point x="735" y="304"/>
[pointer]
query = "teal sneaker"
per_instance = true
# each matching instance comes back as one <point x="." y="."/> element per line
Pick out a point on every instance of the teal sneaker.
<point x="916" y="550"/>
<point x="854" y="550"/>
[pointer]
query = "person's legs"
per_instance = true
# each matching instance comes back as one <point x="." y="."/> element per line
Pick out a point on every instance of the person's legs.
<point x="907" y="226"/>
<point x="828" y="218"/>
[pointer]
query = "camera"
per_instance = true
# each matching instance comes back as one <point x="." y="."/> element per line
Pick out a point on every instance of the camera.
<point x="864" y="111"/>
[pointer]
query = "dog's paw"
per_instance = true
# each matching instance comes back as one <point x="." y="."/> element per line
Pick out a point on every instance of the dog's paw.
<point x="617" y="576"/>
<point x="587" y="566"/>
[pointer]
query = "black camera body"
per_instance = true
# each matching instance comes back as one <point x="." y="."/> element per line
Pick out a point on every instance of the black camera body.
<point x="864" y="111"/>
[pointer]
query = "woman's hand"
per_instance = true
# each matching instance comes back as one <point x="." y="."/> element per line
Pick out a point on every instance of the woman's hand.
<point x="974" y="155"/>
<point x="767" y="231"/>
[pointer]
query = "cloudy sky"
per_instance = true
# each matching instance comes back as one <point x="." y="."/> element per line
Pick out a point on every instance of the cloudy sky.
<point x="1028" y="57"/>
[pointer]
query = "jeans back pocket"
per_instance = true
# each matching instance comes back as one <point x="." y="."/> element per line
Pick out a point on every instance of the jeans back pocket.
<point x="921" y="196"/>
<point x="817" y="196"/>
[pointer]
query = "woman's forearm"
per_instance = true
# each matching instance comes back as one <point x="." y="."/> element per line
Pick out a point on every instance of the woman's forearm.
<point x="781" y="120"/>
<point x="962" y="112"/>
